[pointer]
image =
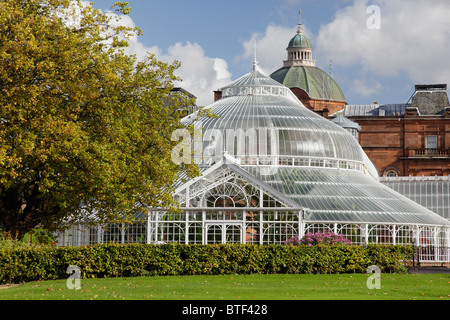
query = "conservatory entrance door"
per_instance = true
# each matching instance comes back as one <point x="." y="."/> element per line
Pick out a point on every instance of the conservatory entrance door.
<point x="224" y="232"/>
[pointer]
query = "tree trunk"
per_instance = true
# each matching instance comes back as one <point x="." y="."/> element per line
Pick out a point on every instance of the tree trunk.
<point x="22" y="210"/>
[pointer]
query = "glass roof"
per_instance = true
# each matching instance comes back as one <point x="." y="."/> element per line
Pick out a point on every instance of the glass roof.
<point x="430" y="191"/>
<point x="347" y="196"/>
<point x="275" y="139"/>
<point x="259" y="116"/>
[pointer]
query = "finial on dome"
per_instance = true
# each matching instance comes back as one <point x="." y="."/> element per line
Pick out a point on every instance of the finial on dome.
<point x="255" y="62"/>
<point x="254" y="55"/>
<point x="299" y="29"/>
<point x="256" y="66"/>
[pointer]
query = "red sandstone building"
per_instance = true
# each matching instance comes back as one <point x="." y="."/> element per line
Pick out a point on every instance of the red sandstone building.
<point x="407" y="139"/>
<point x="411" y="139"/>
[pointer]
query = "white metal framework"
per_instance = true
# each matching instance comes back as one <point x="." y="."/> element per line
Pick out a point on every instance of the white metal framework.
<point x="432" y="192"/>
<point x="265" y="226"/>
<point x="271" y="169"/>
<point x="227" y="207"/>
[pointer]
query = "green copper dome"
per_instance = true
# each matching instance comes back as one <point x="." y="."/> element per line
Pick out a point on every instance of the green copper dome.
<point x="316" y="82"/>
<point x="300" y="71"/>
<point x="299" y="41"/>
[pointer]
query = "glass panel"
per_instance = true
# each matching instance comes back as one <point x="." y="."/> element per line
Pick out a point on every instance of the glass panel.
<point x="214" y="234"/>
<point x="233" y="233"/>
<point x="431" y="142"/>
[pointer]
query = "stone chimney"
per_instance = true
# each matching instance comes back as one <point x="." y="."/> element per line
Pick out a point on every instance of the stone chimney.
<point x="430" y="99"/>
<point x="217" y="95"/>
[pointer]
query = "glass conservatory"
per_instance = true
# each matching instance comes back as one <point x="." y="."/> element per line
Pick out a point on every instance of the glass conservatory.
<point x="271" y="169"/>
<point x="432" y="192"/>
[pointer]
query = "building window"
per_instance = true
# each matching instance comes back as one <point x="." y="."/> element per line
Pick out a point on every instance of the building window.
<point x="354" y="132"/>
<point x="431" y="142"/>
<point x="391" y="172"/>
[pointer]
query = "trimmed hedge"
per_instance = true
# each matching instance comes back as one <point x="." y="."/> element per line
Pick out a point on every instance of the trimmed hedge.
<point x="118" y="260"/>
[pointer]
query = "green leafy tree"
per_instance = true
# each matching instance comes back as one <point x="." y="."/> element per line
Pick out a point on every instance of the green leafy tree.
<point x="84" y="128"/>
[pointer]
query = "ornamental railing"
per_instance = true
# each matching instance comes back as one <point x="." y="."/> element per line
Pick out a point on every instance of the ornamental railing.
<point x="297" y="161"/>
<point x="414" y="178"/>
<point x="429" y="152"/>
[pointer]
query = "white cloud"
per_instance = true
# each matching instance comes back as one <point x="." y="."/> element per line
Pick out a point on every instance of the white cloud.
<point x="412" y="45"/>
<point x="365" y="88"/>
<point x="200" y="74"/>
<point x="270" y="47"/>
<point x="414" y="39"/>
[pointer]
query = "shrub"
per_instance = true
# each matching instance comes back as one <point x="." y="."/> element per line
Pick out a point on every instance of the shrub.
<point x="130" y="260"/>
<point x="319" y="237"/>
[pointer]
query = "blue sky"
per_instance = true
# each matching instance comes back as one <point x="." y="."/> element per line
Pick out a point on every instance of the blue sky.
<point x="214" y="41"/>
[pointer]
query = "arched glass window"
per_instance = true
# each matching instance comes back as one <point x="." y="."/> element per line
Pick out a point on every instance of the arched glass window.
<point x="391" y="172"/>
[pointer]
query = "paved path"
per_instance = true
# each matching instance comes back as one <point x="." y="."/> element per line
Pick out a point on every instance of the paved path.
<point x="429" y="270"/>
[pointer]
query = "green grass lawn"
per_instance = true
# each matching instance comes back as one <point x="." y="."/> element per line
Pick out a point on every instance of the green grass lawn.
<point x="237" y="287"/>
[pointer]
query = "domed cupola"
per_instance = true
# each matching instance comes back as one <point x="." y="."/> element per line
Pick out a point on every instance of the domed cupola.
<point x="315" y="88"/>
<point x="299" y="50"/>
<point x="300" y="41"/>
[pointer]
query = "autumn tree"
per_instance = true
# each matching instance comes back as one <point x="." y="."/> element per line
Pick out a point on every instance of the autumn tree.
<point x="84" y="128"/>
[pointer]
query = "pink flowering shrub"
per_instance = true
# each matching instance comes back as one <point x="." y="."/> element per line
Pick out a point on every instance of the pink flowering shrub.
<point x="319" y="237"/>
